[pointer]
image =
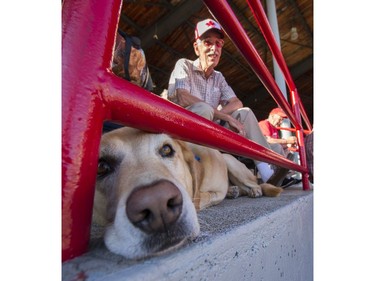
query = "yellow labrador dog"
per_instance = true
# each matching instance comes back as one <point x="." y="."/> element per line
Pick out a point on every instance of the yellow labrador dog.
<point x="149" y="187"/>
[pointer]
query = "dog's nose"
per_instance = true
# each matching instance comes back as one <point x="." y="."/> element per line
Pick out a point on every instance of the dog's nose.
<point x="153" y="208"/>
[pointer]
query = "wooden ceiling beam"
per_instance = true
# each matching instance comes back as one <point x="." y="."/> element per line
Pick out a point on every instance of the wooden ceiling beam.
<point x="170" y="22"/>
<point x="127" y="20"/>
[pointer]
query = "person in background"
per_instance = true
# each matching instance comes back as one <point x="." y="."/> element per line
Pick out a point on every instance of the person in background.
<point x="198" y="87"/>
<point x="271" y="133"/>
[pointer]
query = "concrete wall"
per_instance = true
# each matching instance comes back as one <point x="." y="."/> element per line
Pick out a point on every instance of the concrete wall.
<point x="275" y="246"/>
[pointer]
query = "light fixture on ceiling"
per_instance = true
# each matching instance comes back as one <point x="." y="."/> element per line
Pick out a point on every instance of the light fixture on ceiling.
<point x="155" y="36"/>
<point x="293" y="33"/>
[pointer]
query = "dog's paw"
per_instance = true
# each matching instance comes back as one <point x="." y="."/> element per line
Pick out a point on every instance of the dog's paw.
<point x="255" y="192"/>
<point x="233" y="192"/>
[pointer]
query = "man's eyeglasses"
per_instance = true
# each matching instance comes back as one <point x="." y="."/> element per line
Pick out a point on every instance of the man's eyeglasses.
<point x="219" y="43"/>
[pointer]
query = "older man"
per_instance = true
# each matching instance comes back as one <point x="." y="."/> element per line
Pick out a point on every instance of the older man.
<point x="198" y="87"/>
<point x="271" y="133"/>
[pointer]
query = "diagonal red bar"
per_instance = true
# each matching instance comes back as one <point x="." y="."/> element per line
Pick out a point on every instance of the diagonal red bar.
<point x="88" y="32"/>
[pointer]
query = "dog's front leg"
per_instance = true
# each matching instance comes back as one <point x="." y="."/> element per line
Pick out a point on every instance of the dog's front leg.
<point x="208" y="199"/>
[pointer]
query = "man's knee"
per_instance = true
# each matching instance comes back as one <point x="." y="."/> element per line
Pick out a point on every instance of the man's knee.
<point x="244" y="113"/>
<point x="203" y="109"/>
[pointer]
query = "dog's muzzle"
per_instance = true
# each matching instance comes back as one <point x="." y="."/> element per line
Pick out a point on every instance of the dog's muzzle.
<point x="154" y="208"/>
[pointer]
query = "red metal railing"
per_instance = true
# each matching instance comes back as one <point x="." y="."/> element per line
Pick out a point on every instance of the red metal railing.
<point x="306" y="132"/>
<point x="224" y="14"/>
<point x="91" y="93"/>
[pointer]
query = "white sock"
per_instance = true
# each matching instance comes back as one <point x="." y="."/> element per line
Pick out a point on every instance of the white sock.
<point x="265" y="171"/>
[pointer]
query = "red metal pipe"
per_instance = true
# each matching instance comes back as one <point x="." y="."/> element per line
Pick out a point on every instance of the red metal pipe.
<point x="88" y="32"/>
<point x="261" y="18"/>
<point x="301" y="144"/>
<point x="306" y="132"/>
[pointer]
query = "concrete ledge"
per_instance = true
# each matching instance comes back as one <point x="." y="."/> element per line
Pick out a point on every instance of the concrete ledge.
<point x="241" y="239"/>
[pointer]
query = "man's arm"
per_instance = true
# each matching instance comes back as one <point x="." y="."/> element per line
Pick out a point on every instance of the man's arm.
<point x="184" y="98"/>
<point x="232" y="105"/>
<point x="284" y="142"/>
<point x="225" y="112"/>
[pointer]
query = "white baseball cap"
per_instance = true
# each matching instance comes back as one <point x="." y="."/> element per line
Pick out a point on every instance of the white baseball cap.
<point x="206" y="25"/>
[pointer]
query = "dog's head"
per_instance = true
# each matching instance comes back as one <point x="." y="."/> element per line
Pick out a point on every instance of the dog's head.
<point x="144" y="190"/>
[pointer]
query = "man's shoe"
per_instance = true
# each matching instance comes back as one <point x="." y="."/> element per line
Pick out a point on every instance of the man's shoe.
<point x="278" y="176"/>
<point x="289" y="182"/>
<point x="280" y="173"/>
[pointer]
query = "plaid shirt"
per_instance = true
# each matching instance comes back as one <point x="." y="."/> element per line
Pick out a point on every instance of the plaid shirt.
<point x="188" y="75"/>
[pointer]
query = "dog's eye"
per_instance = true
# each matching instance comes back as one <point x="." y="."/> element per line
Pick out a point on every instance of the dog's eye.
<point x="166" y="151"/>
<point x="104" y="168"/>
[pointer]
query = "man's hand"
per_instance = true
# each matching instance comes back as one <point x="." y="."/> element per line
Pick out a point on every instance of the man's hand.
<point x="236" y="126"/>
<point x="291" y="141"/>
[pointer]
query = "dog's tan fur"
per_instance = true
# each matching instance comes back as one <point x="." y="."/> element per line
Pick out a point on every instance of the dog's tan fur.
<point x="199" y="173"/>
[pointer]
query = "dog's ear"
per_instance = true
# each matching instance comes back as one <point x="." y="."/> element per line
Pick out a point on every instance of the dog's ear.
<point x="195" y="171"/>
